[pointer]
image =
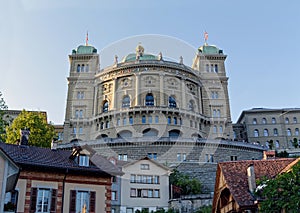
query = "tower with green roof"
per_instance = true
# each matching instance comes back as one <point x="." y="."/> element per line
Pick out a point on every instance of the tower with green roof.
<point x="210" y="64"/>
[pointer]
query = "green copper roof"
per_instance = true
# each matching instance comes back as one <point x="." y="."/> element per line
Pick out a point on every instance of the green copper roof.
<point x="144" y="57"/>
<point x="210" y="49"/>
<point x="82" y="49"/>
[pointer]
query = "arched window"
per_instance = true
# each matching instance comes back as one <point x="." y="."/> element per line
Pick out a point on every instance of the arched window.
<point x="296" y="131"/>
<point x="175" y="121"/>
<point x="214" y="113"/>
<point x="267" y="145"/>
<point x="275" y="132"/>
<point x="287" y="120"/>
<point x="207" y="67"/>
<point x="82" y="68"/>
<point x="124" y="121"/>
<point x="78" y="68"/>
<point x="143" y="119"/>
<point x="295" y="120"/>
<point x="126" y="101"/>
<point x="105" y="106"/>
<point x="87" y="68"/>
<point x="256" y="133"/>
<point x="130" y="120"/>
<point x="172" y="102"/>
<point x="174" y="133"/>
<point x="273" y="120"/>
<point x="211" y="67"/>
<point x="288" y="132"/>
<point x="266" y="133"/>
<point x="277" y="144"/>
<point x="150" y="119"/>
<point x="149" y="100"/>
<point x="169" y="120"/>
<point x="216" y="68"/>
<point x="264" y="120"/>
<point x="254" y="121"/>
<point x="215" y="129"/>
<point x="221" y="129"/>
<point x="218" y="113"/>
<point x="107" y="124"/>
<point x="191" y="105"/>
<point x="102" y="125"/>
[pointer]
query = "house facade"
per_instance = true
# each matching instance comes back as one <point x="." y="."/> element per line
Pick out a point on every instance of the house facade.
<point x="145" y="185"/>
<point x="236" y="183"/>
<point x="60" y="180"/>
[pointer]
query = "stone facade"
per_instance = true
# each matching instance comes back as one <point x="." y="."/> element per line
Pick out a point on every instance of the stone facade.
<point x="261" y="125"/>
<point x="144" y="95"/>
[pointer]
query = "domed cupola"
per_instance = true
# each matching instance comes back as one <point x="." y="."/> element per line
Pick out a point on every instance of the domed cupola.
<point x="207" y="49"/>
<point x="84" y="49"/>
<point x="139" y="55"/>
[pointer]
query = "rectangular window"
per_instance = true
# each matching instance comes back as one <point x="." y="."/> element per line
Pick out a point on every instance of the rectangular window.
<point x="178" y="157"/>
<point x="233" y="158"/>
<point x="118" y="122"/>
<point x="156" y="179"/>
<point x="132" y="178"/>
<point x="132" y="192"/>
<point x="43" y="200"/>
<point x="156" y="193"/>
<point x="149" y="179"/>
<point x="113" y="195"/>
<point x="83" y="160"/>
<point x="156" y="119"/>
<point x="82" y="201"/>
<point x="145" y="166"/>
<point x="80" y="95"/>
<point x="150" y="119"/>
<point x="150" y="193"/>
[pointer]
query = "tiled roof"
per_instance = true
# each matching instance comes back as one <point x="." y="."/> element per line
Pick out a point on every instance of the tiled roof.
<point x="45" y="158"/>
<point x="235" y="174"/>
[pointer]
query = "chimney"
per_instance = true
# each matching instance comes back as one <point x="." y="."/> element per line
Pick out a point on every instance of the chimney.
<point x="24" y="136"/>
<point x="251" y="178"/>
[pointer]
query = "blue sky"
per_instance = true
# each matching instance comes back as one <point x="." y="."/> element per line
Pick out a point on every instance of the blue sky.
<point x="261" y="39"/>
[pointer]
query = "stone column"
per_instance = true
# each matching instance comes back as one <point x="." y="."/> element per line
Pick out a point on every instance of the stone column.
<point x="183" y="94"/>
<point x="114" y="94"/>
<point x="137" y="89"/>
<point x="161" y="90"/>
<point x="95" y="111"/>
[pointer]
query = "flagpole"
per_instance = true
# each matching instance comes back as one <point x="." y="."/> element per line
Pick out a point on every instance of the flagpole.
<point x="87" y="39"/>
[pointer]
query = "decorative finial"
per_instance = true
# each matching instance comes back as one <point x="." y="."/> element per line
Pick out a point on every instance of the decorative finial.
<point x="87" y="38"/>
<point x="160" y="57"/>
<point x="116" y="59"/>
<point x="139" y="50"/>
<point x="205" y="37"/>
<point x="180" y="60"/>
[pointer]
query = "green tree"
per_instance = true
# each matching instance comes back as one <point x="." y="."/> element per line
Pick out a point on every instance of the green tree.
<point x="295" y="142"/>
<point x="3" y="123"/>
<point x="282" y="192"/>
<point x="185" y="182"/>
<point x="271" y="144"/>
<point x="41" y="133"/>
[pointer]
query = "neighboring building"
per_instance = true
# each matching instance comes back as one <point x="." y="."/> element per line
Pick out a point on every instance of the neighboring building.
<point x="145" y="185"/>
<point x="9" y="172"/>
<point x="236" y="182"/>
<point x="145" y="95"/>
<point x="60" y="180"/>
<point x="10" y="115"/>
<point x="261" y="125"/>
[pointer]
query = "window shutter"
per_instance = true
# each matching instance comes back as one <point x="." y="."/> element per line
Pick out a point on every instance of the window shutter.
<point x="72" y="201"/>
<point x="33" y="200"/>
<point x="92" y="202"/>
<point x="53" y="201"/>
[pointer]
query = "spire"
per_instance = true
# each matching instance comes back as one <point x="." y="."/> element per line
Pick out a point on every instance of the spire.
<point x="87" y="38"/>
<point x="205" y="37"/>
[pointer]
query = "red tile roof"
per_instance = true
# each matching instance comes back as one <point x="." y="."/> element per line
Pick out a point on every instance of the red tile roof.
<point x="235" y="174"/>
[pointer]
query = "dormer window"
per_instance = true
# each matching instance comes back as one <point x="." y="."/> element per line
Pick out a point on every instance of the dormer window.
<point x="83" y="160"/>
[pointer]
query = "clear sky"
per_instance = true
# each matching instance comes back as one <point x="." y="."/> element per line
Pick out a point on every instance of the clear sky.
<point x="261" y="39"/>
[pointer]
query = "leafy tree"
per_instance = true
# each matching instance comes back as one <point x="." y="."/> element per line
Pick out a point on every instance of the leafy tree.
<point x="282" y="154"/>
<point x="41" y="133"/>
<point x="187" y="184"/>
<point x="295" y="142"/>
<point x="271" y="144"/>
<point x="3" y="123"/>
<point x="282" y="193"/>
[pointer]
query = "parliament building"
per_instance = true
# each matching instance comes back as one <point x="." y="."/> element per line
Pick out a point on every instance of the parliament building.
<point x="147" y="105"/>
